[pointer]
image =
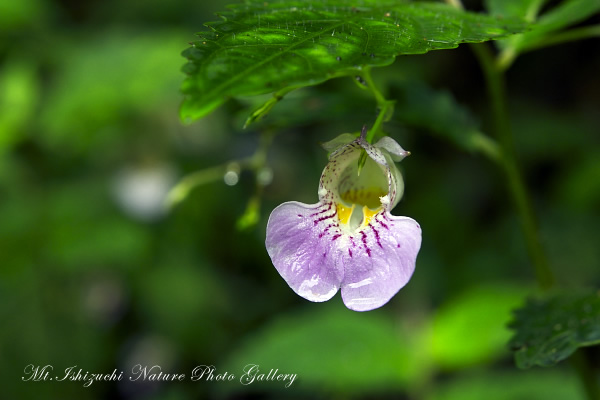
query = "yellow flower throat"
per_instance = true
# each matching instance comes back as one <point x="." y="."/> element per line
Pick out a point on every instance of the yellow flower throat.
<point x="368" y="199"/>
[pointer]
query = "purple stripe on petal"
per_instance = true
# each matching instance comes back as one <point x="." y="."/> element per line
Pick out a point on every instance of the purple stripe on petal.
<point x="364" y="240"/>
<point x="371" y="280"/>
<point x="324" y="232"/>
<point x="302" y="257"/>
<point x="383" y="224"/>
<point x="376" y="235"/>
<point x="323" y="210"/>
<point x="324" y="218"/>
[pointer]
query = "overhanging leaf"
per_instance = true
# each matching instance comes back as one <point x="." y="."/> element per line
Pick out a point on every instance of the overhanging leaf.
<point x="262" y="47"/>
<point x="550" y="330"/>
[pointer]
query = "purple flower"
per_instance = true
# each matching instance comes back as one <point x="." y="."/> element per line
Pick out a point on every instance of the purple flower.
<point x="349" y="239"/>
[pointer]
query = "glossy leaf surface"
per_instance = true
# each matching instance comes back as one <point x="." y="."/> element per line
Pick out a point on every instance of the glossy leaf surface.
<point x="262" y="47"/>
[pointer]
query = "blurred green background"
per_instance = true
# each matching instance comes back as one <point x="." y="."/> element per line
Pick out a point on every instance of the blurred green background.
<point x="94" y="272"/>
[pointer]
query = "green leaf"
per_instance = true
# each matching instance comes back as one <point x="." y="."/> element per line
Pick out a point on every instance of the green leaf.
<point x="78" y="101"/>
<point x="25" y="14"/>
<point x="19" y="89"/>
<point x="334" y="350"/>
<point x="509" y="385"/>
<point x="527" y="9"/>
<point x="251" y="216"/>
<point x="580" y="190"/>
<point x="70" y="244"/>
<point x="191" y="289"/>
<point x="420" y="106"/>
<point x="567" y="13"/>
<point x="550" y="330"/>
<point x="262" y="47"/>
<point x="471" y="328"/>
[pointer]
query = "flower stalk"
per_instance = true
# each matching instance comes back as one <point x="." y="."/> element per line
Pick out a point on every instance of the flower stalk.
<point x="386" y="107"/>
<point x="494" y="76"/>
<point x="497" y="95"/>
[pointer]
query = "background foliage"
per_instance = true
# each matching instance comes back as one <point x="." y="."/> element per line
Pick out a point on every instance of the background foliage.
<point x="94" y="272"/>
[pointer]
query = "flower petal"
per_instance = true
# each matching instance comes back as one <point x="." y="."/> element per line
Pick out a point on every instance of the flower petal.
<point x="380" y="261"/>
<point x="373" y="152"/>
<point x="339" y="141"/>
<point x="396" y="186"/>
<point x="301" y="243"/>
<point x="393" y="148"/>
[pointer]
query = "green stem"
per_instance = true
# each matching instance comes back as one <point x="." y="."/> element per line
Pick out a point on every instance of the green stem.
<point x="366" y="75"/>
<point x="263" y="110"/>
<point x="385" y="113"/>
<point x="386" y="107"/>
<point x="495" y="84"/>
<point x="178" y="193"/>
<point x="386" y="110"/>
<point x="508" y="56"/>
<point x="257" y="162"/>
<point x="494" y="76"/>
<point x="487" y="146"/>
<point x="589" y="380"/>
<point x="259" y="158"/>
<point x="585" y="32"/>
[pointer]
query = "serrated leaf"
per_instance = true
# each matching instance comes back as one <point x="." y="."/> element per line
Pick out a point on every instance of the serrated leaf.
<point x="550" y="330"/>
<point x="262" y="47"/>
<point x="438" y="112"/>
